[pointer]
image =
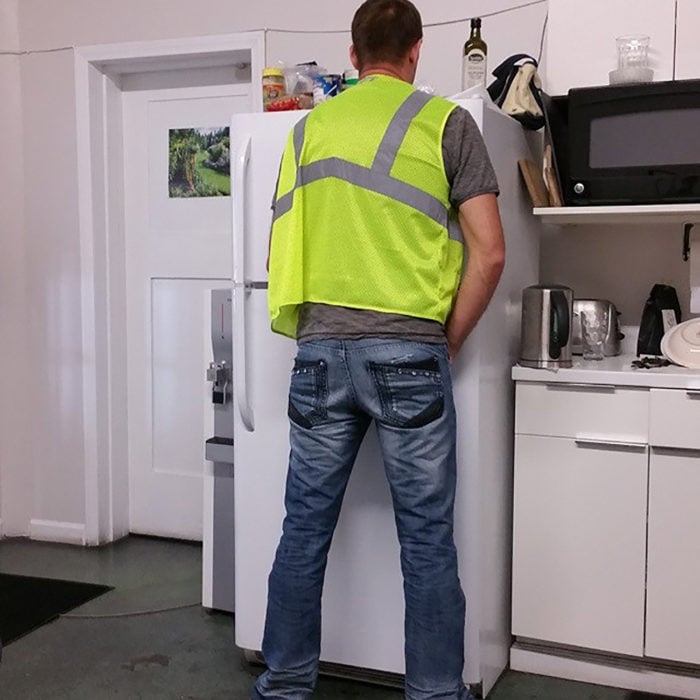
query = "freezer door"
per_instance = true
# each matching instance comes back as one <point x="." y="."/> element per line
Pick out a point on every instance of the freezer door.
<point x="257" y="144"/>
<point x="363" y="596"/>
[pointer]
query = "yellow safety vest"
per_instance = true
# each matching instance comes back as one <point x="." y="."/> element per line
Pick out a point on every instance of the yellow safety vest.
<point x="362" y="216"/>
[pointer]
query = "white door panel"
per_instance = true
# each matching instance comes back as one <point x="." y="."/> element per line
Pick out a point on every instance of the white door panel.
<point x="176" y="250"/>
<point x="202" y="108"/>
<point x="160" y="494"/>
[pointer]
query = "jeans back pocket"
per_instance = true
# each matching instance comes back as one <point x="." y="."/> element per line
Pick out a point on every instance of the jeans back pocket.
<point x="411" y="393"/>
<point x="308" y="393"/>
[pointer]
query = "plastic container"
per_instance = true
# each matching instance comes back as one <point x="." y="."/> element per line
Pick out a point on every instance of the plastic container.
<point x="325" y="87"/>
<point x="273" y="86"/>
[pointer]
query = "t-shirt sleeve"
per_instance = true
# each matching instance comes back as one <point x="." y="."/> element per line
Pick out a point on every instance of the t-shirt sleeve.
<point x="467" y="163"/>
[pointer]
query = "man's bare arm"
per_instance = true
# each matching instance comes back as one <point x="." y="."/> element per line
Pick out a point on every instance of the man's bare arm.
<point x="483" y="235"/>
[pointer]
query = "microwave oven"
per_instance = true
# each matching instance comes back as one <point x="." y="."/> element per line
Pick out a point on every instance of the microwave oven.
<point x="627" y="144"/>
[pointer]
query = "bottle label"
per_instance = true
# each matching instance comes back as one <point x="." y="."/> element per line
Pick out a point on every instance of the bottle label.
<point x="474" y="69"/>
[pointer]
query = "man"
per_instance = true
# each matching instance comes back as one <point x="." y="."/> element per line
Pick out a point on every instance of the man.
<point x="379" y="191"/>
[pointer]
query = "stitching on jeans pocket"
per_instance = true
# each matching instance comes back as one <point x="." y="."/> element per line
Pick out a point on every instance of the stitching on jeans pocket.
<point x="308" y="393"/>
<point x="411" y="394"/>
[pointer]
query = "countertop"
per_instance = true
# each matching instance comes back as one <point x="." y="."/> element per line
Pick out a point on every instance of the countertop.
<point x="612" y="370"/>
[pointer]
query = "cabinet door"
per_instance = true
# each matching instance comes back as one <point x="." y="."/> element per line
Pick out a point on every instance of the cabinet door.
<point x="673" y="577"/>
<point x="581" y="49"/>
<point x="687" y="44"/>
<point x="579" y="537"/>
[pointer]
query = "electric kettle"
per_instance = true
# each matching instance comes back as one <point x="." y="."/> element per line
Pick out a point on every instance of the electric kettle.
<point x="545" y="337"/>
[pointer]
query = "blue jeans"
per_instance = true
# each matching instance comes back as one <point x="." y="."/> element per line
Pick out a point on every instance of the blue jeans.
<point x="337" y="388"/>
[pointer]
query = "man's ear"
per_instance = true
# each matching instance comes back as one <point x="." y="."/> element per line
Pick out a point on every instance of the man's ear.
<point x="353" y="58"/>
<point x="414" y="52"/>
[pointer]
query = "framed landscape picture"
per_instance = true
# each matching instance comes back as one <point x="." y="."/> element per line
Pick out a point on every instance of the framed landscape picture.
<point x="199" y="162"/>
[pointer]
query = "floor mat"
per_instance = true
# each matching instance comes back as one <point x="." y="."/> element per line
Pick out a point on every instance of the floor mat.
<point x="27" y="602"/>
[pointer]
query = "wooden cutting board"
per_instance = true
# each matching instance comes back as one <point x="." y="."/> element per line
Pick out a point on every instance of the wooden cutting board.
<point x="550" y="178"/>
<point x="533" y="181"/>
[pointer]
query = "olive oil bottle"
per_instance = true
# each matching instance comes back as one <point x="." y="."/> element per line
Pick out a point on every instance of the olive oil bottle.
<point x="474" y="65"/>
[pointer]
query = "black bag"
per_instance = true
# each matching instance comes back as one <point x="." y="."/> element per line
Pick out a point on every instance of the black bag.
<point x="516" y="90"/>
<point x="662" y="298"/>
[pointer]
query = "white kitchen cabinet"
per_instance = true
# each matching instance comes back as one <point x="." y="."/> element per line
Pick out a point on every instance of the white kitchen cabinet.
<point x="579" y="543"/>
<point x="606" y="518"/>
<point x="673" y="555"/>
<point x="673" y="575"/>
<point x="687" y="44"/>
<point x="581" y="49"/>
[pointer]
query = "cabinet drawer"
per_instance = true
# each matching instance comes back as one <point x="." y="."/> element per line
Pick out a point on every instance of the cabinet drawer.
<point x="674" y="418"/>
<point x="587" y="412"/>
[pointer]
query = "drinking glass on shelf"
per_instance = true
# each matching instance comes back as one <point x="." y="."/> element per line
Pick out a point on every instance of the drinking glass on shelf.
<point x="632" y="51"/>
<point x="593" y="330"/>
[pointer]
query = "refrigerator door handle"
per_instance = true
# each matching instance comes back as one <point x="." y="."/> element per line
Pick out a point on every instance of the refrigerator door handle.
<point x="238" y="202"/>
<point x="240" y="358"/>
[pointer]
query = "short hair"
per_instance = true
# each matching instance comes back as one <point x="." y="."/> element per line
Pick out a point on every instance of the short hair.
<point x="385" y="30"/>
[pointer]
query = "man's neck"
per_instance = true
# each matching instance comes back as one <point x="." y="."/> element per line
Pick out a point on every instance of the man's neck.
<point x="384" y="69"/>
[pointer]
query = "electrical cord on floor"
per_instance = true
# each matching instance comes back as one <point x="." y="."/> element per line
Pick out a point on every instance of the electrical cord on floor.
<point x="135" y="613"/>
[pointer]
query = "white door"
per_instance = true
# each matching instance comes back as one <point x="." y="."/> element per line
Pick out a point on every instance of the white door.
<point x="178" y="246"/>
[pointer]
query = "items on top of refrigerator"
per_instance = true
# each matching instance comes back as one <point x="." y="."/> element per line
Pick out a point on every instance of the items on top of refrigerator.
<point x="305" y="85"/>
<point x="326" y="86"/>
<point x="351" y="76"/>
<point x="273" y="85"/>
<point x="474" y="57"/>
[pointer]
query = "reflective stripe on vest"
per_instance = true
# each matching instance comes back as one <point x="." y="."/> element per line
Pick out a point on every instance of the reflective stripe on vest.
<point x="376" y="178"/>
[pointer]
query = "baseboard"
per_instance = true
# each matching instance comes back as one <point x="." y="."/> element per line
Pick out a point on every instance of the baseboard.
<point x="677" y="680"/>
<point x="54" y="531"/>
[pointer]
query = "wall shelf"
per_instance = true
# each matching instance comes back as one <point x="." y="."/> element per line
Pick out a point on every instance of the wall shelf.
<point x="632" y="214"/>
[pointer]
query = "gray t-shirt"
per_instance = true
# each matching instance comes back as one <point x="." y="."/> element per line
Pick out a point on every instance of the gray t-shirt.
<point x="469" y="173"/>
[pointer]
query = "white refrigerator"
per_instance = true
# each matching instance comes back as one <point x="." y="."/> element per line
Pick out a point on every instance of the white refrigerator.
<point x="363" y="600"/>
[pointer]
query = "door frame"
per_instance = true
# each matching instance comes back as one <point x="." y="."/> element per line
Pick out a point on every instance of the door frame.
<point x="102" y="248"/>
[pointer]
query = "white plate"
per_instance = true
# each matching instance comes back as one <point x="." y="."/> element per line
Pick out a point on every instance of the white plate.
<point x="681" y="344"/>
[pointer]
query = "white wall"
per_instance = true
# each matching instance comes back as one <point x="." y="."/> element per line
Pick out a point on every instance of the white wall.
<point x="54" y="272"/>
<point x="42" y="470"/>
<point x="45" y="24"/>
<point x="619" y="263"/>
<point x="15" y="381"/>
<point x="441" y="57"/>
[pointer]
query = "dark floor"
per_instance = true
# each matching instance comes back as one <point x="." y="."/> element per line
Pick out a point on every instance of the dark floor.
<point x="103" y="650"/>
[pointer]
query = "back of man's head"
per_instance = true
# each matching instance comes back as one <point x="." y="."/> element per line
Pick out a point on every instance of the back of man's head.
<point x="383" y="31"/>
